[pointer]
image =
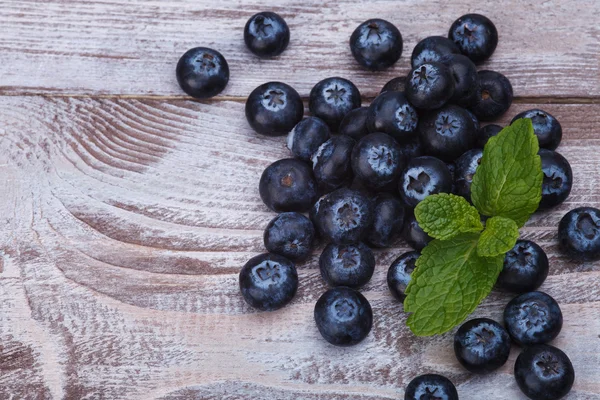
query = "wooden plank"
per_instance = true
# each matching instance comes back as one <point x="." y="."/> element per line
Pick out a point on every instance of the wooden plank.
<point x="548" y="49"/>
<point x="126" y="223"/>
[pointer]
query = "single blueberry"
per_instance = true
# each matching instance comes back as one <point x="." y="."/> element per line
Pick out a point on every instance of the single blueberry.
<point x="557" y="181"/>
<point x="481" y="345"/>
<point x="388" y="219"/>
<point x="398" y="276"/>
<point x="331" y="163"/>
<point x="306" y="137"/>
<point x="466" y="166"/>
<point x="376" y="44"/>
<point x="288" y="185"/>
<point x="414" y="235"/>
<point x="432" y="48"/>
<point x="331" y="99"/>
<point x="266" y="34"/>
<point x="422" y="177"/>
<point x="394" y="85"/>
<point x="354" y="123"/>
<point x="533" y="318"/>
<point x="475" y="35"/>
<point x="484" y="134"/>
<point x="429" y="86"/>
<point x="579" y="234"/>
<point x="349" y="265"/>
<point x="466" y="80"/>
<point x="525" y="268"/>
<point x="431" y="387"/>
<point x="494" y="96"/>
<point x="291" y="235"/>
<point x="274" y="108"/>
<point x="202" y="72"/>
<point x="268" y="281"/>
<point x="545" y="126"/>
<point x="391" y="113"/>
<point x="377" y="160"/>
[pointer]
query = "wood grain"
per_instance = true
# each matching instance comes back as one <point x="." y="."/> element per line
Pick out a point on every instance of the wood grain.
<point x="131" y="47"/>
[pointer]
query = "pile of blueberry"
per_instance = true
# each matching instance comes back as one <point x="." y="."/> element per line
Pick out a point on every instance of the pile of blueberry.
<point x="358" y="172"/>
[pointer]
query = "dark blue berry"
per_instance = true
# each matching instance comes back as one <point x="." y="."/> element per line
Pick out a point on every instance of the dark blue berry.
<point x="579" y="234"/>
<point x="331" y="163"/>
<point x="481" y="345"/>
<point x="432" y="48"/>
<point x="484" y="134"/>
<point x="394" y="85"/>
<point x="398" y="276"/>
<point x="377" y="160"/>
<point x="466" y="165"/>
<point x="391" y="113"/>
<point x="288" y="185"/>
<point x="430" y="387"/>
<point x="274" y="108"/>
<point x="202" y="72"/>
<point x="422" y="177"/>
<point x="306" y="137"/>
<point x="414" y="235"/>
<point x="545" y="126"/>
<point x="333" y="98"/>
<point x="412" y="149"/>
<point x="494" y="96"/>
<point x="525" y="268"/>
<point x="290" y="235"/>
<point x="558" y="179"/>
<point x="430" y="86"/>
<point x="349" y="265"/>
<point x="266" y="34"/>
<point x="343" y="316"/>
<point x="268" y="281"/>
<point x="354" y="123"/>
<point x="475" y="35"/>
<point x="388" y="219"/>
<point x="466" y="80"/>
<point x="376" y="44"/>
<point x="447" y="133"/>
<point x="474" y="119"/>
<point x="533" y="318"/>
<point x="544" y="372"/>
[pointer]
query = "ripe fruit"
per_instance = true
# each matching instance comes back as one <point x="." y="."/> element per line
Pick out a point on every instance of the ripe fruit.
<point x="394" y="85"/>
<point x="266" y="34"/>
<point x="391" y="113"/>
<point x="288" y="185"/>
<point x="274" y="108"/>
<point x="466" y="165"/>
<point x="349" y="265"/>
<point x="202" y="72"/>
<point x="525" y="268"/>
<point x="544" y="372"/>
<point x="475" y="35"/>
<point x="376" y="44"/>
<point x="331" y="163"/>
<point x="545" y="126"/>
<point x="377" y="160"/>
<point x="579" y="234"/>
<point x="430" y="387"/>
<point x="533" y="318"/>
<point x="398" y="276"/>
<point x="268" y="281"/>
<point x="343" y="316"/>
<point x="306" y="137"/>
<point x="429" y="86"/>
<point x="484" y="134"/>
<point x="432" y="48"/>
<point x="291" y="235"/>
<point x="414" y="235"/>
<point x="466" y="80"/>
<point x="354" y="123"/>
<point x="422" y="177"/>
<point x="558" y="179"/>
<point x="388" y="218"/>
<point x="481" y="345"/>
<point x="331" y="99"/>
<point x="494" y="96"/>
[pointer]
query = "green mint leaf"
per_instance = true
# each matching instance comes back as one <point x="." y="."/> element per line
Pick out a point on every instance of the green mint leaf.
<point x="444" y="216"/>
<point x="450" y="280"/>
<point x="500" y="236"/>
<point x="508" y="182"/>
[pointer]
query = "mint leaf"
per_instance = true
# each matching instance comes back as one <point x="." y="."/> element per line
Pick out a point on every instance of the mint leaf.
<point x="508" y="182"/>
<point x="500" y="236"/>
<point x="444" y="216"/>
<point x="450" y="280"/>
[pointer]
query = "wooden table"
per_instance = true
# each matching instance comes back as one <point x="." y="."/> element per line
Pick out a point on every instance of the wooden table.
<point x="129" y="208"/>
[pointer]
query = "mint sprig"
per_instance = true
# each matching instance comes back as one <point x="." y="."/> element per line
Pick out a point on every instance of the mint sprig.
<point x="458" y="270"/>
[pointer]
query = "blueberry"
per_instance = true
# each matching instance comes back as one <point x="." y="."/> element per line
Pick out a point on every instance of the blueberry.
<point x="343" y="216"/>
<point x="306" y="137"/>
<point x="431" y="387"/>
<point x="481" y="345"/>
<point x="391" y="113"/>
<point x="494" y="96"/>
<point x="579" y="234"/>
<point x="432" y="48"/>
<point x="484" y="134"/>
<point x="412" y="149"/>
<point x="558" y="179"/>
<point x="377" y="160"/>
<point x="422" y="177"/>
<point x="447" y="133"/>
<point x="533" y="318"/>
<point x="268" y="281"/>
<point x="266" y="34"/>
<point x="544" y="372"/>
<point x="466" y="80"/>
<point x="388" y="218"/>
<point x="288" y="185"/>
<point x="331" y="99"/>
<point x="525" y="268"/>
<point x="354" y="123"/>
<point x="343" y="316"/>
<point x="475" y="35"/>
<point x="466" y="165"/>
<point x="274" y="108"/>
<point x="474" y="119"/>
<point x="414" y="235"/>
<point x="331" y="163"/>
<point x="430" y="86"/>
<point x="394" y="85"/>
<point x="202" y="72"/>
<point x="398" y="276"/>
<point x="291" y="235"/>
<point x="376" y="44"/>
<point x="349" y="265"/>
<point x="545" y="126"/>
